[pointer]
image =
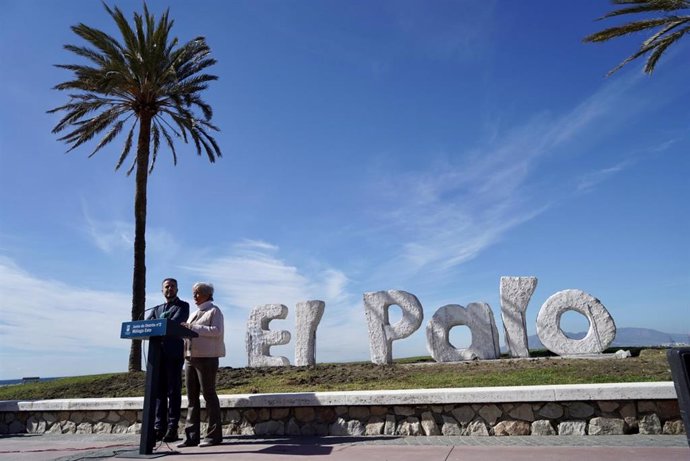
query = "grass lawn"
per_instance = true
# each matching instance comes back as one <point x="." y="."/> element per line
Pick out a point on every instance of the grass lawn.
<point x="416" y="372"/>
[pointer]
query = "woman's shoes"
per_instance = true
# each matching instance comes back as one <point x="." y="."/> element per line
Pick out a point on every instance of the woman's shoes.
<point x="210" y="442"/>
<point x="187" y="443"/>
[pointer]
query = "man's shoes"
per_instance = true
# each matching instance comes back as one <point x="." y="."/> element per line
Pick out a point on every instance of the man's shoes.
<point x="158" y="434"/>
<point x="210" y="442"/>
<point x="187" y="443"/>
<point x="170" y="436"/>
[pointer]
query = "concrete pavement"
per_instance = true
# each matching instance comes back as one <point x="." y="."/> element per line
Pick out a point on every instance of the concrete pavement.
<point x="443" y="448"/>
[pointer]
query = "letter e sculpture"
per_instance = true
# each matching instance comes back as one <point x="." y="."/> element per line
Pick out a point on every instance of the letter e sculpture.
<point x="260" y="339"/>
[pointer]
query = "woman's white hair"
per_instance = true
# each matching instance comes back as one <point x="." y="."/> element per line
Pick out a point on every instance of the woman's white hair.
<point x="204" y="288"/>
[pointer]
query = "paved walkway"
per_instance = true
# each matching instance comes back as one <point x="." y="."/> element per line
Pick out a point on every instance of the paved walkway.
<point x="528" y="448"/>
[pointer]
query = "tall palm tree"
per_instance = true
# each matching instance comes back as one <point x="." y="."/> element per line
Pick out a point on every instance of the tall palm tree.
<point x="670" y="27"/>
<point x="148" y="83"/>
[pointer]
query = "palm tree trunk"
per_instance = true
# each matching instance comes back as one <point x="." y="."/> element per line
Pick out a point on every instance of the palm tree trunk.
<point x="139" y="274"/>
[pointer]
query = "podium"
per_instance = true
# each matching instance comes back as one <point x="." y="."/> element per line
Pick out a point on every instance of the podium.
<point x="154" y="330"/>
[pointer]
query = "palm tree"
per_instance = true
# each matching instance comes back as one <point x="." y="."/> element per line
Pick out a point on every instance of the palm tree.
<point x="146" y="82"/>
<point x="670" y="27"/>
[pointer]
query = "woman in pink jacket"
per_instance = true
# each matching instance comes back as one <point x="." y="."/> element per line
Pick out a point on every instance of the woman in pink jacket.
<point x="201" y="366"/>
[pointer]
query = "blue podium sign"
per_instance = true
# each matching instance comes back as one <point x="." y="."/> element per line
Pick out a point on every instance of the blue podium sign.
<point x="144" y="329"/>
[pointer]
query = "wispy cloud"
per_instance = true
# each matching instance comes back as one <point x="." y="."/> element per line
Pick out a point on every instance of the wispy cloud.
<point x="590" y="180"/>
<point x="449" y="214"/>
<point x="250" y="273"/>
<point x="114" y="236"/>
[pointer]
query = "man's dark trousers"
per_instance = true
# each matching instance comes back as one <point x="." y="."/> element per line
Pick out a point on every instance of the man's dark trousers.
<point x="169" y="390"/>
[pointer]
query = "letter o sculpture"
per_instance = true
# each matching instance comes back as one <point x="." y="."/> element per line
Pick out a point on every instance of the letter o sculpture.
<point x="602" y="329"/>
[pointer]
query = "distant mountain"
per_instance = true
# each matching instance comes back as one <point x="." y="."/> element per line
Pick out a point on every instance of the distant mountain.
<point x="628" y="337"/>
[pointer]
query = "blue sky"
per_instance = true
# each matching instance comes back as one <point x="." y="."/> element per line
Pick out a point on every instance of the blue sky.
<point x="431" y="147"/>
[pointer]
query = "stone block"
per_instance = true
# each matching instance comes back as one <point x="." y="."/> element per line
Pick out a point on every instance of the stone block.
<point x="251" y="415"/>
<point x="264" y="414"/>
<point x="113" y="417"/>
<point x="292" y="428"/>
<point x="667" y="409"/>
<point x="403" y="411"/>
<point x="269" y="428"/>
<point x="360" y="413"/>
<point x="84" y="428"/>
<point x="325" y="415"/>
<point x="374" y="426"/>
<point x="606" y="426"/>
<point x="523" y="412"/>
<point x="572" y="428"/>
<point x="230" y="429"/>
<point x="341" y="410"/>
<point x="650" y="424"/>
<point x="551" y="411"/>
<point x="674" y="427"/>
<point x="410" y="427"/>
<point x="542" y="427"/>
<point x="646" y="406"/>
<point x="246" y="428"/>
<point x="608" y="406"/>
<point x="55" y="428"/>
<point x="102" y="428"/>
<point x="232" y="416"/>
<point x="308" y="429"/>
<point x="378" y="410"/>
<point x="342" y="427"/>
<point x="627" y="410"/>
<point x="77" y="417"/>
<point x="35" y="425"/>
<point x="279" y="413"/>
<point x="120" y="429"/>
<point x="437" y="409"/>
<point x="96" y="416"/>
<point x="580" y="410"/>
<point x="463" y="414"/>
<point x="490" y="414"/>
<point x="390" y="426"/>
<point x="305" y="414"/>
<point x="512" y="428"/>
<point x="134" y="428"/>
<point x="49" y="417"/>
<point x="429" y="424"/>
<point x="69" y="427"/>
<point x="477" y="428"/>
<point x="450" y="426"/>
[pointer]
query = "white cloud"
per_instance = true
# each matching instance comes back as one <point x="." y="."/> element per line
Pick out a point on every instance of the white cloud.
<point x="590" y="180"/>
<point x="44" y="319"/>
<point x="251" y="274"/>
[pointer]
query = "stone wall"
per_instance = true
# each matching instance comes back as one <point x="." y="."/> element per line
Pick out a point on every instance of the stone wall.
<point x="539" y="418"/>
<point x="647" y="408"/>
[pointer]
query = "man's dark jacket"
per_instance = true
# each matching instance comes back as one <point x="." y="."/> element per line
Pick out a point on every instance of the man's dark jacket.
<point x="177" y="311"/>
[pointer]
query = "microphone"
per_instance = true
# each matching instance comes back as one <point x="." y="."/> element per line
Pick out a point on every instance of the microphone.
<point x="141" y="317"/>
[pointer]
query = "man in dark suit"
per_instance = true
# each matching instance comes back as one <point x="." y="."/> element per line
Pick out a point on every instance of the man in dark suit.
<point x="169" y="397"/>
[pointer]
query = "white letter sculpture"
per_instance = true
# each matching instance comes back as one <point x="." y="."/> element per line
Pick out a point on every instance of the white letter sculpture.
<point x="601" y="331"/>
<point x="309" y="315"/>
<point x="260" y="338"/>
<point x="515" y="294"/>
<point x="478" y="318"/>
<point x="381" y="332"/>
